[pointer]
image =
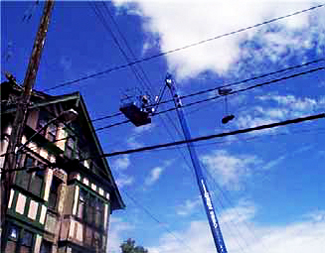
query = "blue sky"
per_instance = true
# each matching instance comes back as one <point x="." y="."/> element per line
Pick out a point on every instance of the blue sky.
<point x="268" y="188"/>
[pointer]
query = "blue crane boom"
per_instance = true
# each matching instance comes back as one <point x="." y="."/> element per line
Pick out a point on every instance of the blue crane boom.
<point x="139" y="110"/>
<point x="205" y="194"/>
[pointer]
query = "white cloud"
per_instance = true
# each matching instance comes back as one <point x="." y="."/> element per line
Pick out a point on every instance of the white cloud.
<point x="243" y="212"/>
<point x="229" y="170"/>
<point x="133" y="143"/>
<point x="116" y="233"/>
<point x="156" y="172"/>
<point x="316" y="216"/>
<point x="154" y="175"/>
<point x="278" y="108"/>
<point x="299" y="237"/>
<point x="119" y="166"/>
<point x="124" y="180"/>
<point x="144" y="128"/>
<point x="121" y="163"/>
<point x="297" y="104"/>
<point x="189" y="207"/>
<point x="274" y="162"/>
<point x="175" y="24"/>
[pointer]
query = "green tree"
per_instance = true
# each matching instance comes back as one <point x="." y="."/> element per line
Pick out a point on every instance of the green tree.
<point x="129" y="247"/>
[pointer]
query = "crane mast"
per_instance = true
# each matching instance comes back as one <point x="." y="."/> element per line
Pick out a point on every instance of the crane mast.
<point x="205" y="194"/>
<point x="139" y="109"/>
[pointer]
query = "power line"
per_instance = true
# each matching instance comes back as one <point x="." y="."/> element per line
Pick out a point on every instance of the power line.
<point x="102" y="19"/>
<point x="304" y="131"/>
<point x="218" y="96"/>
<point x="254" y="78"/>
<point x="208" y="137"/>
<point x="146" y="80"/>
<point x="226" y="85"/>
<point x="246" y="225"/>
<point x="157" y="220"/>
<point x="119" y="67"/>
<point x="215" y="97"/>
<point x="316" y="130"/>
<point x="258" y="85"/>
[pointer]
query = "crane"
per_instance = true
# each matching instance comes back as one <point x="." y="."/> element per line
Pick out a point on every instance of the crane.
<point x="140" y="115"/>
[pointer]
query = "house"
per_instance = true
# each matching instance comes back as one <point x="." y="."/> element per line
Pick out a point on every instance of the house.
<point x="63" y="191"/>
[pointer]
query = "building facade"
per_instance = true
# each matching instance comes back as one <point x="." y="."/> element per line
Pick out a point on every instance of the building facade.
<point x="63" y="191"/>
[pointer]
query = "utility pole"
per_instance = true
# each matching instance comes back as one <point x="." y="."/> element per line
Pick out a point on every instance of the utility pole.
<point x="22" y="107"/>
<point x="205" y="194"/>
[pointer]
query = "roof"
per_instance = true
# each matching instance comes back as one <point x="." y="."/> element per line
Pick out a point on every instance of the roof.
<point x="40" y="99"/>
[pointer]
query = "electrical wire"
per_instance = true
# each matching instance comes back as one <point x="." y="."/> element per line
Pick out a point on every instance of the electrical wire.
<point x="146" y="80"/>
<point x="119" y="67"/>
<point x="225" y="85"/>
<point x="208" y="137"/>
<point x="245" y="223"/>
<point x="149" y="84"/>
<point x="190" y="104"/>
<point x="254" y="78"/>
<point x="218" y="96"/>
<point x="154" y="218"/>
<point x="102" y="19"/>
<point x="255" y="138"/>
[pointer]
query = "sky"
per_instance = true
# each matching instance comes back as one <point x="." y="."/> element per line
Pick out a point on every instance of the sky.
<point x="267" y="187"/>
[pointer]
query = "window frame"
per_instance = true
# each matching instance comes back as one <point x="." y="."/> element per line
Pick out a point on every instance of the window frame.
<point x="46" y="246"/>
<point x="90" y="207"/>
<point x="52" y="130"/>
<point x="70" y="150"/>
<point x="57" y="193"/>
<point x="40" y="124"/>
<point x="19" y="240"/>
<point x="31" y="177"/>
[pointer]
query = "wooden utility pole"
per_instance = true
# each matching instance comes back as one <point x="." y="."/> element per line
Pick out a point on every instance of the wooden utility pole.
<point x="22" y="107"/>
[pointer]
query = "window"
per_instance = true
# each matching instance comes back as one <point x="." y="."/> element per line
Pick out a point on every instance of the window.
<point x="19" y="240"/>
<point x="81" y="204"/>
<point x="99" y="213"/>
<point x="37" y="182"/>
<point x="30" y="162"/>
<point x="53" y="198"/>
<point x="69" y="147"/>
<point x="89" y="236"/>
<point x="12" y="239"/>
<point x="31" y="181"/>
<point x="18" y="159"/>
<point x="90" y="209"/>
<point x="26" y="242"/>
<point x="42" y="121"/>
<point x="46" y="247"/>
<point x="24" y="177"/>
<point x="51" y="135"/>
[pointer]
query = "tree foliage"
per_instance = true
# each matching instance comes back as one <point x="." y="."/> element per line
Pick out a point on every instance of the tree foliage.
<point x="129" y="247"/>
